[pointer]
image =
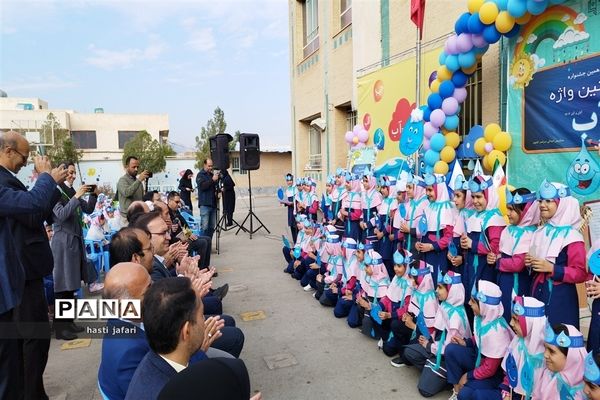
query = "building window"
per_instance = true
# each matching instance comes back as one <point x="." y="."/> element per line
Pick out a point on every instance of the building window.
<point x="314" y="148"/>
<point x="470" y="113"/>
<point x="351" y="117"/>
<point x="310" y="20"/>
<point x="84" y="139"/>
<point x="345" y="13"/>
<point x="235" y="166"/>
<point x="126" y="136"/>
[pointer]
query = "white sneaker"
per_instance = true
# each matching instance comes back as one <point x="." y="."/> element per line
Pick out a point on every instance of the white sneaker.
<point x="308" y="288"/>
<point x="380" y="344"/>
<point x="314" y="295"/>
<point x="454" y="396"/>
<point x="96" y="287"/>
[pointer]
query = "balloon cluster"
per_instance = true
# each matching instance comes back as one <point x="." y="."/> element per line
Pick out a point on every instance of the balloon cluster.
<point x="484" y="24"/>
<point x="492" y="146"/>
<point x="357" y="137"/>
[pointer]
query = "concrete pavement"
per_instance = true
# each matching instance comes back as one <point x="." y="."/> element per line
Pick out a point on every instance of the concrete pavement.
<point x="313" y="354"/>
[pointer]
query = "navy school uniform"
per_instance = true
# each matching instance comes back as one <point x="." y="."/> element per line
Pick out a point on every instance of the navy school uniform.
<point x="557" y="291"/>
<point x="438" y="256"/>
<point x="519" y="282"/>
<point x="462" y="359"/>
<point x="339" y="224"/>
<point x="370" y="217"/>
<point x="292" y="218"/>
<point x="343" y="306"/>
<point x="387" y="247"/>
<point x="593" y="342"/>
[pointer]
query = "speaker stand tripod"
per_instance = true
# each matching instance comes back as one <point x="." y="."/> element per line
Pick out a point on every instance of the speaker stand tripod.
<point x="251" y="215"/>
<point x="222" y="227"/>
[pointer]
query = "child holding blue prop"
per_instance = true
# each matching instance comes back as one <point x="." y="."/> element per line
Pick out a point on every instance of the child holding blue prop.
<point x="383" y="223"/>
<point x="592" y="287"/>
<point x="353" y="257"/>
<point x="562" y="377"/>
<point x="395" y="303"/>
<point x="450" y="321"/>
<point x="422" y="308"/>
<point x="474" y="364"/>
<point x="591" y="376"/>
<point x="371" y="200"/>
<point x="514" y="278"/>
<point x="440" y="218"/>
<point x="557" y="254"/>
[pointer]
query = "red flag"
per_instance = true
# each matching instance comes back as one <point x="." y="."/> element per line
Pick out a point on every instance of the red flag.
<point x="417" y="12"/>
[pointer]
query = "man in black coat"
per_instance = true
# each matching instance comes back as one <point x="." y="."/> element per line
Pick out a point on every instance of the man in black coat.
<point x="33" y="251"/>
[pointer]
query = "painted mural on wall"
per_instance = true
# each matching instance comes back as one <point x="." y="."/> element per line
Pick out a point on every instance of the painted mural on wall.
<point x="554" y="98"/>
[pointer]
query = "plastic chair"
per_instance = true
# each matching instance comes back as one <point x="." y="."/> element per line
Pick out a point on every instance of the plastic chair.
<point x="95" y="255"/>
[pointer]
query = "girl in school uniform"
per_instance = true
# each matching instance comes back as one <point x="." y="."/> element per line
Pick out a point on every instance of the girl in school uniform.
<point x="351" y="211"/>
<point x="383" y="226"/>
<point x="415" y="206"/>
<point x="564" y="356"/>
<point x="327" y="203"/>
<point x="355" y="316"/>
<point x="290" y="194"/>
<point x="474" y="364"/>
<point x="514" y="278"/>
<point x="311" y="201"/>
<point x="524" y="358"/>
<point x="484" y="229"/>
<point x="395" y="303"/>
<point x="352" y="258"/>
<point x="450" y="320"/>
<point x="324" y="246"/>
<point x="557" y="254"/>
<point x="463" y="209"/>
<point x="440" y="216"/>
<point x="327" y="282"/>
<point x="374" y="287"/>
<point x="293" y="254"/>
<point x="592" y="286"/>
<point x="371" y="199"/>
<point x="309" y="248"/>
<point x="591" y="376"/>
<point x="423" y="305"/>
<point x="400" y="216"/>
<point x="338" y="196"/>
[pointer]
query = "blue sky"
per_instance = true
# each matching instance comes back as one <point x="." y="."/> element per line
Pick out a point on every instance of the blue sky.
<point x="180" y="57"/>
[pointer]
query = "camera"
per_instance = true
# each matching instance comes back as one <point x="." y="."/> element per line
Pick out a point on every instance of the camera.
<point x="150" y="174"/>
<point x="91" y="188"/>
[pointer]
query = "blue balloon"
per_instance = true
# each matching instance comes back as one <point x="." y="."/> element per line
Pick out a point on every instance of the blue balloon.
<point x="475" y="25"/>
<point x="481" y="50"/>
<point x="502" y="4"/>
<point x="434" y="101"/>
<point x="536" y="7"/>
<point x="442" y="58"/>
<point x="429" y="169"/>
<point x="379" y="138"/>
<point x="431" y="157"/>
<point x="514" y="31"/>
<point x="451" y="122"/>
<point x="426" y="114"/>
<point x="462" y="23"/>
<point x="446" y="89"/>
<point x="437" y="142"/>
<point x="517" y="8"/>
<point x="452" y="62"/>
<point x="490" y="34"/>
<point x="594" y="262"/>
<point x="467" y="60"/>
<point x="459" y="79"/>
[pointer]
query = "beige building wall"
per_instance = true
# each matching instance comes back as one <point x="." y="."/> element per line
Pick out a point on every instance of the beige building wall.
<point x="322" y="89"/>
<point x="323" y="84"/>
<point x="271" y="174"/>
<point x="106" y="126"/>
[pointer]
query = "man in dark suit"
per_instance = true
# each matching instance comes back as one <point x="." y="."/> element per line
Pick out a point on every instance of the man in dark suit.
<point x="174" y="325"/>
<point x="232" y="340"/>
<point x="23" y="263"/>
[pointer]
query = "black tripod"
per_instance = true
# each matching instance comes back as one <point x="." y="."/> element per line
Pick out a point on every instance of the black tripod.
<point x="251" y="215"/>
<point x="222" y="226"/>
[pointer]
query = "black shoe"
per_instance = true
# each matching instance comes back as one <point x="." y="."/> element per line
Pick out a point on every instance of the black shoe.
<point x="398" y="362"/>
<point x="221" y="292"/>
<point x="216" y="274"/>
<point x="65" y="335"/>
<point x="72" y="327"/>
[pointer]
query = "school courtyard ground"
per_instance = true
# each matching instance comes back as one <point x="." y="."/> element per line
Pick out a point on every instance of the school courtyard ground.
<point x="294" y="349"/>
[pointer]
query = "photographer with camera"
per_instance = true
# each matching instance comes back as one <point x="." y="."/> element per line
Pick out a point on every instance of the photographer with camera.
<point x="130" y="187"/>
<point x="207" y="182"/>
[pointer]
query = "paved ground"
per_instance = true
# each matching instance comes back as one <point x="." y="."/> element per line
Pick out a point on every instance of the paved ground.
<point x="333" y="361"/>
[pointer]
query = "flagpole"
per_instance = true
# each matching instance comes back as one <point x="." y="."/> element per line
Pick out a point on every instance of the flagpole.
<point x="418" y="88"/>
